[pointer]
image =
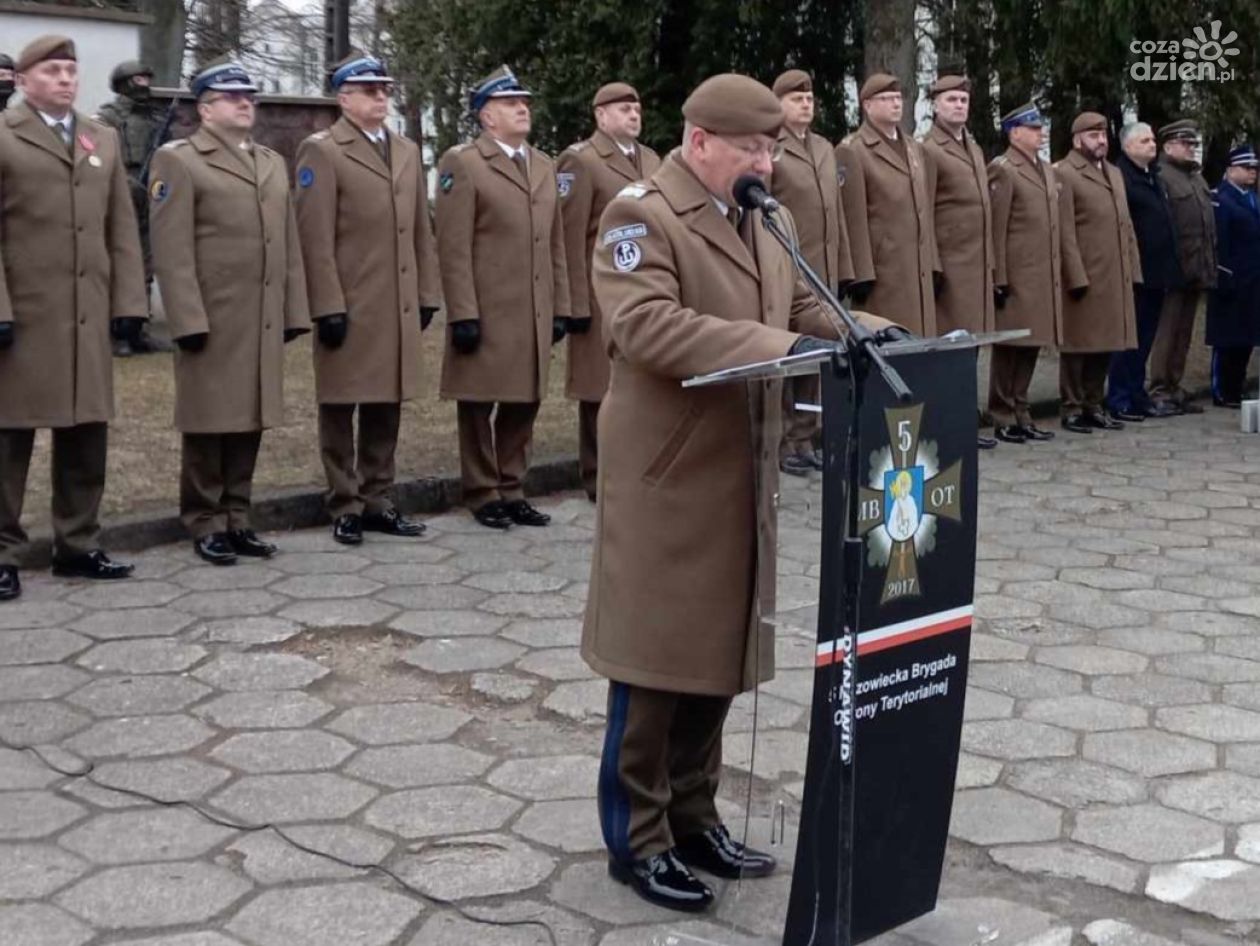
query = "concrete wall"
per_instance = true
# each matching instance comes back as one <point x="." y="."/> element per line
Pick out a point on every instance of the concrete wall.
<point x="102" y="38"/>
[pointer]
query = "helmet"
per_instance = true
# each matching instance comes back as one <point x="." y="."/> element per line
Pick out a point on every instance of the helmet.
<point x="6" y="61"/>
<point x="125" y="71"/>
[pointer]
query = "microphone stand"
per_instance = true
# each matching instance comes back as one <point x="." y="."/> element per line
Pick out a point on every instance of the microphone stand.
<point x="863" y="351"/>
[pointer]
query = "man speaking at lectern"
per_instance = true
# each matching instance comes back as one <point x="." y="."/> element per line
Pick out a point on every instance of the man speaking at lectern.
<point x="682" y="582"/>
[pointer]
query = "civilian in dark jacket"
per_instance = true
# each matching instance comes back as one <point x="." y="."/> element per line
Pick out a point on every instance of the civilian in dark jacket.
<point x="1191" y="201"/>
<point x="1161" y="271"/>
<point x="1233" y="320"/>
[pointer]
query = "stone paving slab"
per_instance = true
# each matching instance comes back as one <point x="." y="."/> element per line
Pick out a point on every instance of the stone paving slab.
<point x="421" y="705"/>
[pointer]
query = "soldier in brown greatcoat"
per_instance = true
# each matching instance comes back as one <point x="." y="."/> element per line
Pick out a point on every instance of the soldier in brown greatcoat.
<point x="70" y="275"/>
<point x="1028" y="235"/>
<point x="688" y="285"/>
<point x="501" y="251"/>
<point x="1101" y="264"/>
<point x="225" y="248"/>
<point x="373" y="284"/>
<point x="961" y="214"/>
<point x="589" y="174"/>
<point x="1196" y="244"/>
<point x="888" y="211"/>
<point x="806" y="182"/>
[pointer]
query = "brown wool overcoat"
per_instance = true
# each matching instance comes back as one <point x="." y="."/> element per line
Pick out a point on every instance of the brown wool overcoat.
<point x="226" y="254"/>
<point x="501" y="251"/>
<point x="964" y="230"/>
<point x="1028" y="238"/>
<point x="368" y="249"/>
<point x="805" y="181"/>
<point x="1101" y="253"/>
<point x="888" y="211"/>
<point x="683" y="576"/>
<point x="590" y="173"/>
<point x="69" y="262"/>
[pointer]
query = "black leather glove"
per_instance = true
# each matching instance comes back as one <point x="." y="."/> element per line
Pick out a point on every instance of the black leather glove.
<point x="292" y="333"/>
<point x="1000" y="295"/>
<point x="6" y="335"/>
<point x="559" y="328"/>
<point x="466" y="336"/>
<point x="938" y="283"/>
<point x="192" y="343"/>
<point x="892" y="333"/>
<point x="332" y="329"/>
<point x="579" y="326"/>
<point x="807" y="343"/>
<point x="126" y="328"/>
<point x="426" y="315"/>
<point x="1078" y="293"/>
<point x="859" y="292"/>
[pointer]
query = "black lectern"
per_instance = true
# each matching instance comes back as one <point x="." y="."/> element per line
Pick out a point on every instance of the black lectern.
<point x="891" y="662"/>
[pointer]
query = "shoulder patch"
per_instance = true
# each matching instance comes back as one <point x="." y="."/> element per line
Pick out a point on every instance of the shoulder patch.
<point x="158" y="191"/>
<point x="564" y="182"/>
<point x="634" y="191"/>
<point x="446" y="180"/>
<point x="627" y="256"/>
<point x="630" y="232"/>
<point x="306" y="176"/>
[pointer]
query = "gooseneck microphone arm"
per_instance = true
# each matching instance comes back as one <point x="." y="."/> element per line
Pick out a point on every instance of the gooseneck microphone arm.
<point x="860" y="342"/>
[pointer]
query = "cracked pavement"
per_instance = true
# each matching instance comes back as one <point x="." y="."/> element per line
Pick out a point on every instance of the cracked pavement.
<point x="421" y="704"/>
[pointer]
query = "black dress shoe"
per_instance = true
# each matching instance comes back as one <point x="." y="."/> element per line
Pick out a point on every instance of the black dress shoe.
<point x="985" y="443"/>
<point x="392" y="523"/>
<point x="664" y="880"/>
<point x="1129" y="416"/>
<point x="10" y="586"/>
<point x="817" y="459"/>
<point x="245" y="542"/>
<point x="1103" y="421"/>
<point x="94" y="564"/>
<point x="720" y="854"/>
<point x="348" y="529"/>
<point x="1077" y="424"/>
<point x="796" y="465"/>
<point x="1033" y="432"/>
<point x="523" y="514"/>
<point x="215" y="548"/>
<point x="494" y="515"/>
<point x="1010" y="433"/>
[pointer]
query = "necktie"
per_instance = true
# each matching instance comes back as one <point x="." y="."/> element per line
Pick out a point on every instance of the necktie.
<point x="518" y="158"/>
<point x="63" y="131"/>
<point x="382" y="145"/>
<point x="733" y="216"/>
<point x="634" y="159"/>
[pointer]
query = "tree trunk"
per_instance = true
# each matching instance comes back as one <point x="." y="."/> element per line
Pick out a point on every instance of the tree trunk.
<point x="891" y="47"/>
<point x="162" y="41"/>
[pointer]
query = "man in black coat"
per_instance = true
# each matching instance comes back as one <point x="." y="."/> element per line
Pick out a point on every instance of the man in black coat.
<point x="1157" y="243"/>
<point x="1233" y="319"/>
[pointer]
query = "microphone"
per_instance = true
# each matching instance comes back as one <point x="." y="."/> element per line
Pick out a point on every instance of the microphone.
<point x="750" y="193"/>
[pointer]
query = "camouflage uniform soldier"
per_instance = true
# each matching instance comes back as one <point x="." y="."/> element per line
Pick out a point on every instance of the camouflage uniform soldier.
<point x="7" y="79"/>
<point x="138" y="122"/>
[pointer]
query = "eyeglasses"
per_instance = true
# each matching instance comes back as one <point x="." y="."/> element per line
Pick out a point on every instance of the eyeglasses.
<point x="773" y="151"/>
<point x="373" y="89"/>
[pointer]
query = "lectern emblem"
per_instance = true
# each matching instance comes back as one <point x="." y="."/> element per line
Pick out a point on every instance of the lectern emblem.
<point x="908" y="492"/>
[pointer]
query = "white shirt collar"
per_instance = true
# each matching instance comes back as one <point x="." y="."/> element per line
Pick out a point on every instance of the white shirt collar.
<point x="509" y="150"/>
<point x="627" y="150"/>
<point x="378" y="136"/>
<point x="65" y="122"/>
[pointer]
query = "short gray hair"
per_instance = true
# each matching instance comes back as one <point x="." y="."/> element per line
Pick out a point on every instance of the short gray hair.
<point x="1133" y="129"/>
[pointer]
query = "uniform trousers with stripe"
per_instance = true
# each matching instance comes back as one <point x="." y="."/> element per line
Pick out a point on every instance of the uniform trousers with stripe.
<point x="588" y="444"/>
<point x="216" y="481"/>
<point x="359" y="478"/>
<point x="78" y="482"/>
<point x="494" y="440"/>
<point x="658" y="777"/>
<point x="1082" y="382"/>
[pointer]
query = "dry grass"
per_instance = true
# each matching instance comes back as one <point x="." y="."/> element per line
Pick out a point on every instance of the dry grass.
<point x="144" y="447"/>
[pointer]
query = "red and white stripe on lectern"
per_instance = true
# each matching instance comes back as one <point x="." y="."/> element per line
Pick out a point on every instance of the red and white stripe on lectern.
<point x="894" y="635"/>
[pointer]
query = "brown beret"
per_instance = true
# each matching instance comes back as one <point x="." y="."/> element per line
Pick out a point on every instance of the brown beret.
<point x="615" y="92"/>
<point x="879" y="83"/>
<point x="1088" y="121"/>
<point x="732" y="104"/>
<point x="45" y="48"/>
<point x="949" y="84"/>
<point x="794" y="80"/>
